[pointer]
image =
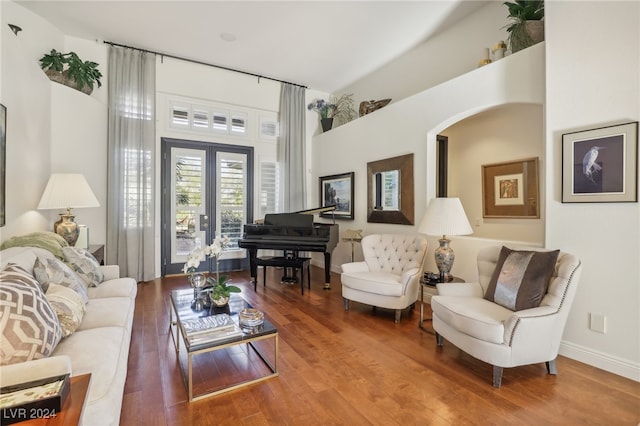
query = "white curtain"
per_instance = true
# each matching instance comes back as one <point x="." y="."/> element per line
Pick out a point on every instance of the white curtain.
<point x="291" y="149"/>
<point x="131" y="154"/>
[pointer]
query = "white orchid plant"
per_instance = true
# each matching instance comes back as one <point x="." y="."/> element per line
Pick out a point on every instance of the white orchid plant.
<point x="214" y="250"/>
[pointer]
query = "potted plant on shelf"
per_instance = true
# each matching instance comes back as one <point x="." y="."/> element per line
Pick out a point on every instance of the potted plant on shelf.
<point x="338" y="107"/>
<point x="527" y="23"/>
<point x="70" y="70"/>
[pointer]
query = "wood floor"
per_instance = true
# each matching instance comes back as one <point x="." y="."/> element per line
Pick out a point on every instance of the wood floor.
<point x="357" y="368"/>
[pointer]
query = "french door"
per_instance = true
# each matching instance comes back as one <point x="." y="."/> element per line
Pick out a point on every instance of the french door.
<point x="206" y="192"/>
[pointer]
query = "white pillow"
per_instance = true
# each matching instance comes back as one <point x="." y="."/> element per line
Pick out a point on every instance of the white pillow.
<point x="68" y="306"/>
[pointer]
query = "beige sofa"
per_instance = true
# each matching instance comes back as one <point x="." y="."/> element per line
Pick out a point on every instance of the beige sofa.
<point x="99" y="346"/>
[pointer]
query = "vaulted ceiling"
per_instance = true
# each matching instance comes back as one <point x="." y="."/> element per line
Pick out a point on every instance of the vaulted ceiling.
<point x="325" y="45"/>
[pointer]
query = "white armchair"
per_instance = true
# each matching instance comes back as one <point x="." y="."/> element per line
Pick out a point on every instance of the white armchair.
<point x="389" y="276"/>
<point x="500" y="336"/>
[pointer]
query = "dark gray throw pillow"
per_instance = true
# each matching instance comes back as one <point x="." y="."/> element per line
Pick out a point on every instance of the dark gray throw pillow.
<point x="521" y="278"/>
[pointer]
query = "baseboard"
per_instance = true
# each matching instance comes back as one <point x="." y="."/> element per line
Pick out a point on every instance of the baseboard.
<point x="601" y="360"/>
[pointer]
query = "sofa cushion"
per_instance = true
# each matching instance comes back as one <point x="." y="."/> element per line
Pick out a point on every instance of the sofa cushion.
<point x="49" y="241"/>
<point x="84" y="264"/>
<point x="473" y="316"/>
<point x="29" y="326"/>
<point x="55" y="271"/>
<point x="521" y="278"/>
<point x="119" y="287"/>
<point x="384" y="283"/>
<point x="68" y="305"/>
<point x="108" y="312"/>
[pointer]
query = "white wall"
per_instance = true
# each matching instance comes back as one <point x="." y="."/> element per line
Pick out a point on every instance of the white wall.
<point x="26" y="92"/>
<point x="411" y="126"/>
<point x="445" y="56"/>
<point x="593" y="80"/>
<point x="50" y="127"/>
<point x="507" y="133"/>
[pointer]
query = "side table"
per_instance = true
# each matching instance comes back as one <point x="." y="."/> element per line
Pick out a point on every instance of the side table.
<point x="431" y="290"/>
<point x="353" y="241"/>
<point x="72" y="408"/>
<point x="97" y="250"/>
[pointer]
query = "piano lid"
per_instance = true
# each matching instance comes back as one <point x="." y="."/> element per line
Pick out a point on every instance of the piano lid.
<point x="324" y="209"/>
<point x="299" y="218"/>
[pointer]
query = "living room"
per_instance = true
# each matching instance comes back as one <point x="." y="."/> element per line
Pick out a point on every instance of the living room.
<point x="576" y="80"/>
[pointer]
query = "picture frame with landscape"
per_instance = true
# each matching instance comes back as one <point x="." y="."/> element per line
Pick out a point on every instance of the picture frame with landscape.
<point x="600" y="165"/>
<point x="337" y="190"/>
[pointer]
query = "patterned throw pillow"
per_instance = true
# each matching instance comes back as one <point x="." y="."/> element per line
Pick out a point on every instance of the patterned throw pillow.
<point x="54" y="271"/>
<point x="521" y="278"/>
<point x="84" y="264"/>
<point x="68" y="305"/>
<point x="29" y="326"/>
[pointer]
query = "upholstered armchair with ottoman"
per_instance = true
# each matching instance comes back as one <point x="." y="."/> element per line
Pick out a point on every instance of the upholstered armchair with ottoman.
<point x="389" y="276"/>
<point x="517" y="312"/>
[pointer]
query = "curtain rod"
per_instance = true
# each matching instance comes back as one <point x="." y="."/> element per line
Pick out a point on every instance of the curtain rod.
<point x="203" y="63"/>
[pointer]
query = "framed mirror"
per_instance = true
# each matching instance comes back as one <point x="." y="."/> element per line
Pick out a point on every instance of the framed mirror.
<point x="390" y="190"/>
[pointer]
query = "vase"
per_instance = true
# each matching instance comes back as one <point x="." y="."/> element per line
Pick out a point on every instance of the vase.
<point x="327" y="124"/>
<point x="220" y="301"/>
<point x="197" y="281"/>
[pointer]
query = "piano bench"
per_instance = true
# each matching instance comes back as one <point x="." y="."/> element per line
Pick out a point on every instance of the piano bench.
<point x="284" y="262"/>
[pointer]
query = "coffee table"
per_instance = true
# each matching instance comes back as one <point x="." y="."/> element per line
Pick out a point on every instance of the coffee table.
<point x="180" y="310"/>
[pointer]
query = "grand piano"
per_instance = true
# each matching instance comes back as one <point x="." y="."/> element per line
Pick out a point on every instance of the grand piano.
<point x="292" y="232"/>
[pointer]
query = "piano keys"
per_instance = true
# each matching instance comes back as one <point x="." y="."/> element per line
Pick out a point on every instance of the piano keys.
<point x="291" y="232"/>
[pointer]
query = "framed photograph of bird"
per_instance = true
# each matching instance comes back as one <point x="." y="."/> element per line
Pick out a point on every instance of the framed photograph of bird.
<point x="511" y="189"/>
<point x="601" y="165"/>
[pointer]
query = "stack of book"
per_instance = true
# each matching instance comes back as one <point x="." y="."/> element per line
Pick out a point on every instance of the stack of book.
<point x="210" y="329"/>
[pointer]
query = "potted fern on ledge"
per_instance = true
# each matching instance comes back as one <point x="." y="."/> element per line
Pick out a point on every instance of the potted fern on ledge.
<point x="70" y="70"/>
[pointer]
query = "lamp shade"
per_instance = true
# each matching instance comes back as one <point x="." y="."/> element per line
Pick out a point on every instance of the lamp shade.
<point x="67" y="190"/>
<point x="445" y="216"/>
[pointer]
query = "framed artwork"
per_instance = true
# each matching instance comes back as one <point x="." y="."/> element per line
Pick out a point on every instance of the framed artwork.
<point x="337" y="190"/>
<point x="601" y="165"/>
<point x="511" y="189"/>
<point x="3" y="162"/>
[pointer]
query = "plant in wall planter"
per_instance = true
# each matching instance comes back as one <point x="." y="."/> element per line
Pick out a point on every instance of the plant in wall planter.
<point x="527" y="23"/>
<point x="70" y="70"/>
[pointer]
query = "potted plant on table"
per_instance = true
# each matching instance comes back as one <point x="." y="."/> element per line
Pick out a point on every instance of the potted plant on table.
<point x="220" y="291"/>
<point x="527" y="23"/>
<point x="216" y="287"/>
<point x="70" y="70"/>
<point x="340" y="107"/>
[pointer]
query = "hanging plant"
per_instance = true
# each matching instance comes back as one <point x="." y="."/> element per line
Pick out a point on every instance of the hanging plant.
<point x="70" y="70"/>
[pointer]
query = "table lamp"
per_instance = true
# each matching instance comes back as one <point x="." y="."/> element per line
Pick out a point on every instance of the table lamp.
<point x="445" y="216"/>
<point x="67" y="191"/>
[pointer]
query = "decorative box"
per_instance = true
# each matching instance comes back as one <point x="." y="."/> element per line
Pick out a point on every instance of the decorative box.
<point x="41" y="398"/>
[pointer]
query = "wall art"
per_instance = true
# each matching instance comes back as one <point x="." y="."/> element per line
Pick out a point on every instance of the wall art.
<point x="600" y="165"/>
<point x="511" y="189"/>
<point x="337" y="190"/>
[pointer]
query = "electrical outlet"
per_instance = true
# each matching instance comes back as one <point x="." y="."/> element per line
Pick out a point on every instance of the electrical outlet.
<point x="478" y="221"/>
<point x="598" y="323"/>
